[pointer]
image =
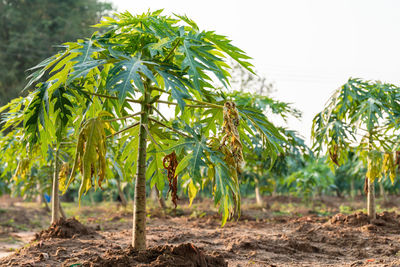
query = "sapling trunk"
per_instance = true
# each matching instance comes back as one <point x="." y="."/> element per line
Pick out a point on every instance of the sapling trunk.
<point x="139" y="206"/>
<point x="39" y="199"/>
<point x="259" y="199"/>
<point x="371" y="200"/>
<point x="382" y="191"/>
<point x="121" y="193"/>
<point x="55" y="200"/>
<point x="353" y="192"/>
<point x="371" y="190"/>
<point x="160" y="198"/>
<point x="62" y="213"/>
<point x="156" y="197"/>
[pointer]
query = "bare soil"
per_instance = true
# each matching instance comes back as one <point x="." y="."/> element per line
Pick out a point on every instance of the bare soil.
<point x="64" y="228"/>
<point x="259" y="238"/>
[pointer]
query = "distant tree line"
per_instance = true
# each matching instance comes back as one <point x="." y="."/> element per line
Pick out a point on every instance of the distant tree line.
<point x="30" y="29"/>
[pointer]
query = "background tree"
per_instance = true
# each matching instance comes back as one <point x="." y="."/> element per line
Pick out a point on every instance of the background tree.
<point x="30" y="29"/>
<point x="258" y="165"/>
<point x="361" y="116"/>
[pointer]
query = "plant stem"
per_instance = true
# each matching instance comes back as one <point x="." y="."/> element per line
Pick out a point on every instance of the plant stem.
<point x="55" y="200"/>
<point x="159" y="113"/>
<point x="139" y="207"/>
<point x="126" y="128"/>
<point x="123" y="118"/>
<point x="172" y="51"/>
<point x="259" y="199"/>
<point x="166" y="126"/>
<point x="121" y="193"/>
<point x="205" y="105"/>
<point x="62" y="213"/>
<point x="114" y="97"/>
<point x="202" y="103"/>
<point x="371" y="190"/>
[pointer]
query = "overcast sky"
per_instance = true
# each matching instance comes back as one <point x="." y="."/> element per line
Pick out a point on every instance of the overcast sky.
<point x="307" y="47"/>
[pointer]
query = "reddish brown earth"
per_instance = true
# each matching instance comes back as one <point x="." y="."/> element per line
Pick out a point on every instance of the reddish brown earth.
<point x="64" y="228"/>
<point x="258" y="239"/>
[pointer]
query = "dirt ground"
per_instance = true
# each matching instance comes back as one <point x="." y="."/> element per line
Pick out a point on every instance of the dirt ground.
<point x="333" y="232"/>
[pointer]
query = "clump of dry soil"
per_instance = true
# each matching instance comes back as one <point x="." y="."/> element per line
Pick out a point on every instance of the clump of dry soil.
<point x="64" y="228"/>
<point x="181" y="255"/>
<point x="384" y="222"/>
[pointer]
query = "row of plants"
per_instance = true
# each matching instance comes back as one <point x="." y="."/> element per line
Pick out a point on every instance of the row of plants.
<point x="138" y="103"/>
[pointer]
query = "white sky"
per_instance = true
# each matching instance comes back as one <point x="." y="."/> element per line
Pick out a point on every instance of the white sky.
<point x="307" y="47"/>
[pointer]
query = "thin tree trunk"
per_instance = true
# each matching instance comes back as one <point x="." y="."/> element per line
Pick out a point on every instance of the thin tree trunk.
<point x="353" y="192"/>
<point x="62" y="213"/>
<point x="382" y="191"/>
<point x="121" y="193"/>
<point x="55" y="201"/>
<point x="371" y="190"/>
<point x="371" y="200"/>
<point x="259" y="199"/>
<point x="139" y="207"/>
<point x="39" y="199"/>
<point x="160" y="198"/>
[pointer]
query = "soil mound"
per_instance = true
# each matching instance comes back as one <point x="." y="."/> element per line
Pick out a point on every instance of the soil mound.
<point x="383" y="220"/>
<point x="180" y="255"/>
<point x="64" y="228"/>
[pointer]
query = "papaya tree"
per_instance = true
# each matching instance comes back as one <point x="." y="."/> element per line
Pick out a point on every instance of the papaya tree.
<point x="146" y="81"/>
<point x="259" y="167"/>
<point x="361" y="116"/>
<point x="28" y="173"/>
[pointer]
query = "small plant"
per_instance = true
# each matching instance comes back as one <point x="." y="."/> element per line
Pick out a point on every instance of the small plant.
<point x="361" y="116"/>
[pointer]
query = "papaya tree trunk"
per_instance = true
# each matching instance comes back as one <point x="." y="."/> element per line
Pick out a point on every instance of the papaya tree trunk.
<point x="121" y="193"/>
<point x="382" y="191"/>
<point x="39" y="199"/>
<point x="62" y="213"/>
<point x="371" y="200"/>
<point x="371" y="191"/>
<point x="259" y="199"/>
<point x="55" y="200"/>
<point x="160" y="198"/>
<point x="139" y="205"/>
<point x="353" y="192"/>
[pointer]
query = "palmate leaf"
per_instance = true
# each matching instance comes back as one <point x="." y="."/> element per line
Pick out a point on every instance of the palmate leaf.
<point x="225" y="45"/>
<point x="175" y="84"/>
<point x="226" y="187"/>
<point x="204" y="156"/>
<point x="84" y="53"/>
<point x="196" y="161"/>
<point x="199" y="59"/>
<point x="125" y="71"/>
<point x="160" y="47"/>
<point x="35" y="114"/>
<point x="42" y="68"/>
<point x="270" y="135"/>
<point x="84" y="60"/>
<point x="130" y="149"/>
<point x="62" y="108"/>
<point x="155" y="170"/>
<point x="90" y="155"/>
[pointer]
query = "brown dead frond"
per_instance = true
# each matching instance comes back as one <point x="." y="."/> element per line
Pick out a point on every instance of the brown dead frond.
<point x="170" y="163"/>
<point x="231" y="137"/>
